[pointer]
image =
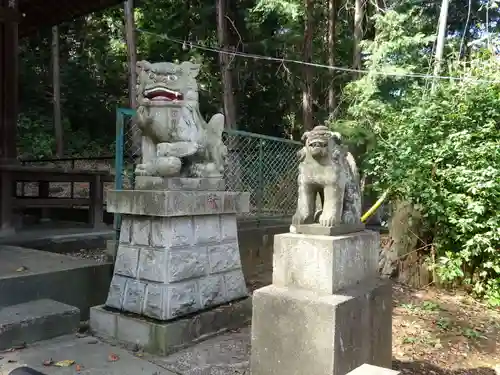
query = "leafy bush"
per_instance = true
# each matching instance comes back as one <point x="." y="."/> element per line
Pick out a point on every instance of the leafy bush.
<point x="438" y="149"/>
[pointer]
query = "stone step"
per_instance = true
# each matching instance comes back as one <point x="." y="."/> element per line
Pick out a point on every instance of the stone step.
<point x="37" y="320"/>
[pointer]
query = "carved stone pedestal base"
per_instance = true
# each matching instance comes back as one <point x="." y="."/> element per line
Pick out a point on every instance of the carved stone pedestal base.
<point x="178" y="252"/>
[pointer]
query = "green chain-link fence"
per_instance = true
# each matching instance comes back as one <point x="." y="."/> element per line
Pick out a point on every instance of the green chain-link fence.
<point x="264" y="166"/>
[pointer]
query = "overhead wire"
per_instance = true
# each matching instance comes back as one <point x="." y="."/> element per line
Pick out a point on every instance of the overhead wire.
<point x="316" y="65"/>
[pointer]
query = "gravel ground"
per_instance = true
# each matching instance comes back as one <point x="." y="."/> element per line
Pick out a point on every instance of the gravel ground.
<point x="98" y="255"/>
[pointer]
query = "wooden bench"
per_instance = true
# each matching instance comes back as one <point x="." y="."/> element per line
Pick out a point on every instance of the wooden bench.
<point x="12" y="174"/>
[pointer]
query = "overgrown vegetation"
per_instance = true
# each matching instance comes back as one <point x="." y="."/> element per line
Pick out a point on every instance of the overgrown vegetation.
<point x="438" y="149"/>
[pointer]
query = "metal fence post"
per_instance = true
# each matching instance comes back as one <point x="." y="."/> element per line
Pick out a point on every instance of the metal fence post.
<point x="118" y="165"/>
<point x="260" y="191"/>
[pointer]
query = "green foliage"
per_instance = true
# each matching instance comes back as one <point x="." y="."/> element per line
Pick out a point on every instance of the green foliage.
<point x="439" y="150"/>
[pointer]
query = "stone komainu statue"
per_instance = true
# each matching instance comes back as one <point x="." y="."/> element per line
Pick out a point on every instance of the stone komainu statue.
<point x="329" y="170"/>
<point x="176" y="139"/>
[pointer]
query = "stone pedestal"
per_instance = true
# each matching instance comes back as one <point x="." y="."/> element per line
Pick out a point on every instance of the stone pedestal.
<point x="327" y="312"/>
<point x="178" y="251"/>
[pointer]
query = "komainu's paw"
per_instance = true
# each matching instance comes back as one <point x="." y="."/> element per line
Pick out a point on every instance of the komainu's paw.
<point x="177" y="149"/>
<point x="300" y="218"/>
<point x="168" y="166"/>
<point x="327" y="220"/>
<point x="141" y="170"/>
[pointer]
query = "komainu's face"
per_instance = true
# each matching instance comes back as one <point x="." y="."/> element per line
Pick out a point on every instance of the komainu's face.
<point x="318" y="146"/>
<point x="160" y="84"/>
<point x="321" y="143"/>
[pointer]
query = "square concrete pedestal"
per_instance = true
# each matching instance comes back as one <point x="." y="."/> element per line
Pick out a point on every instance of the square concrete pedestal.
<point x="327" y="312"/>
<point x="177" y="257"/>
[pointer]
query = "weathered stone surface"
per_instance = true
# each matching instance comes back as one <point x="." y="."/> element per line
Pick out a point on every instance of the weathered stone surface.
<point x="177" y="265"/>
<point x="141" y="231"/>
<point x="324" y="264"/>
<point x="212" y="290"/>
<point x="127" y="260"/>
<point x="116" y="291"/>
<point x="327" y="165"/>
<point x="179" y="183"/>
<point x="207" y="229"/>
<point x="188" y="264"/>
<point x="172" y="232"/>
<point x="235" y="285"/>
<point x="152" y="265"/>
<point x="165" y="338"/>
<point x="229" y="228"/>
<point x="300" y="332"/>
<point x="126" y="230"/>
<point x="320" y="230"/>
<point x="224" y="257"/>
<point x="154" y="303"/>
<point x="133" y="299"/>
<point x="183" y="298"/>
<point x="176" y="203"/>
<point x="37" y="320"/>
<point x="372" y="370"/>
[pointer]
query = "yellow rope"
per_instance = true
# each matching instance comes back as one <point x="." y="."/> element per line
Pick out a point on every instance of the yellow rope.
<point x="374" y="208"/>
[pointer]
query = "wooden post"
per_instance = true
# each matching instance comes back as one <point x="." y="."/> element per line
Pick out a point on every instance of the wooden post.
<point x="56" y="83"/>
<point x="9" y="19"/>
<point x="96" y="203"/>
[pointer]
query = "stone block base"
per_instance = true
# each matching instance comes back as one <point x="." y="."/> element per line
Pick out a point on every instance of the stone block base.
<point x="300" y="332"/>
<point x="162" y="338"/>
<point x="325" y="264"/>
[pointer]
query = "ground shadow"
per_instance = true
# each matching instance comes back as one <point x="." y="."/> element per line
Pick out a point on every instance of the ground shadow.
<point x="426" y="368"/>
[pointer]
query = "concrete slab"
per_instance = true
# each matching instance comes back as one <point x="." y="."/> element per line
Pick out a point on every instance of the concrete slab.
<point x="162" y="338"/>
<point x="58" y="237"/>
<point x="227" y="354"/>
<point x="38" y="320"/>
<point x="35" y="274"/>
<point x="90" y="354"/>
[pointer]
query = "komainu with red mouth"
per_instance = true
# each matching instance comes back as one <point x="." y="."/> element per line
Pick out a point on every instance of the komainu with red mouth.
<point x="176" y="139"/>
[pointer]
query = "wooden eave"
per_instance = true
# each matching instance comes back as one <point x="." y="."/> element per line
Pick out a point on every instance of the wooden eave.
<point x="36" y="14"/>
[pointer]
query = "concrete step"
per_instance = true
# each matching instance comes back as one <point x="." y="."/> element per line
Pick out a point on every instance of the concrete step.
<point x="28" y="275"/>
<point x="37" y="320"/>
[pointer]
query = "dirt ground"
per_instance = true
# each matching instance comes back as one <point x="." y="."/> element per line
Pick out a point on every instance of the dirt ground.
<point x="435" y="332"/>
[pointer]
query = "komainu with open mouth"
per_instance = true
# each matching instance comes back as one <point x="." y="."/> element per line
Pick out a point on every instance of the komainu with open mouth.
<point x="177" y="141"/>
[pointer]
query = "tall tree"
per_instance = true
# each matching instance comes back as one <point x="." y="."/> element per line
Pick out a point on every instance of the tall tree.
<point x="307" y="91"/>
<point x="225" y="61"/>
<point x="332" y="25"/>
<point x="359" y="10"/>
<point x="128" y="8"/>
<point x="56" y="86"/>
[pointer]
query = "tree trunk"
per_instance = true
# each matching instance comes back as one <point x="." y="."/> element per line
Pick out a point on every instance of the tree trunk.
<point x="307" y="92"/>
<point x="332" y="25"/>
<point x="403" y="258"/>
<point x="128" y="7"/>
<point x="225" y="61"/>
<point x="359" y="10"/>
<point x="56" y="85"/>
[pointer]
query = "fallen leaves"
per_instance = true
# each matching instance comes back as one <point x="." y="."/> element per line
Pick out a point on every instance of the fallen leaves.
<point x="65" y="363"/>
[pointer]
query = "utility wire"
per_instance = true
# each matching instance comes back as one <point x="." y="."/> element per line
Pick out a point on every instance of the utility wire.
<point x="298" y="62"/>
